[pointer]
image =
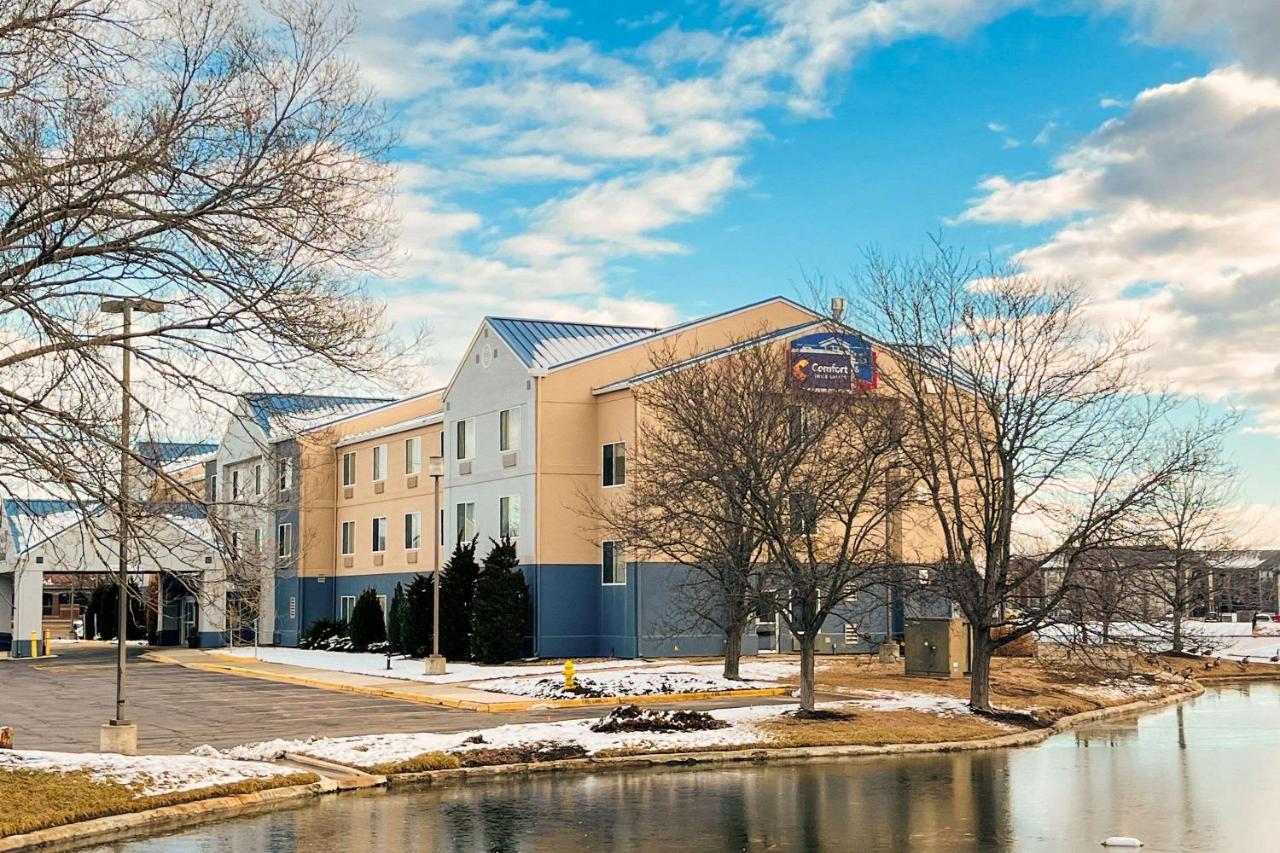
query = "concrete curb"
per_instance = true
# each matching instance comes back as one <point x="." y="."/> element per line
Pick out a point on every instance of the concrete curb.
<point x="466" y="704"/>
<point x="786" y="755"/>
<point x="167" y="817"/>
<point x="199" y="811"/>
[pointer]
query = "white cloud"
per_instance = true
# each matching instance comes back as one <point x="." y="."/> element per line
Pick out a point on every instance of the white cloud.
<point x="1171" y="213"/>
<point x="1248" y="30"/>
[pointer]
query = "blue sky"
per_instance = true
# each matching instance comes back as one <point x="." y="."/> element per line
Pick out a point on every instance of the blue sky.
<point x="647" y="162"/>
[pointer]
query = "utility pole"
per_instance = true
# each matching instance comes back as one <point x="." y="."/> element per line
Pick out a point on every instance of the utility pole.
<point x="119" y="735"/>
<point x="436" y="663"/>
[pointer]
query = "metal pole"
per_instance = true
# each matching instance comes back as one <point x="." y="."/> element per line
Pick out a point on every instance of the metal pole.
<point x="122" y="528"/>
<point x="435" y="577"/>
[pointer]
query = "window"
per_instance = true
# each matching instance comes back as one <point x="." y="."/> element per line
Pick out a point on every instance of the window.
<point x="379" y="463"/>
<point x="346" y="604"/>
<point x="380" y="534"/>
<point x="213" y="487"/>
<point x="613" y="568"/>
<point x="509" y="430"/>
<point x="349" y="469"/>
<point x="801" y="425"/>
<point x="413" y="455"/>
<point x="235" y="543"/>
<point x="235" y="485"/>
<point x="412" y="530"/>
<point x="284" y="540"/>
<point x="802" y="513"/>
<point x="348" y="538"/>
<point x="257" y="539"/>
<point x="382" y="602"/>
<point x="284" y="475"/>
<point x="257" y="479"/>
<point x="466" y="521"/>
<point x="466" y="437"/>
<point x="615" y="464"/>
<point x="509" y="517"/>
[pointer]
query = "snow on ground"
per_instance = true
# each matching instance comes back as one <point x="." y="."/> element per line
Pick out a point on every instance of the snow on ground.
<point x="414" y="670"/>
<point x="1233" y="640"/>
<point x="152" y="774"/>
<point x="1114" y="690"/>
<point x="366" y="750"/>
<point x="928" y="703"/>
<point x="618" y="683"/>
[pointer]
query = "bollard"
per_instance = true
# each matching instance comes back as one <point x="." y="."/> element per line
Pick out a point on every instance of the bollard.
<point x="48" y="642"/>
<point x="568" y="675"/>
<point x="35" y="644"/>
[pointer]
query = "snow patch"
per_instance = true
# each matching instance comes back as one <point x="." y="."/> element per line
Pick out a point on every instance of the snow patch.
<point x="617" y="684"/>
<point x="149" y="775"/>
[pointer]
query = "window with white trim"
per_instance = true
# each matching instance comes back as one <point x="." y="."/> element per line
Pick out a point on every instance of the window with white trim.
<point x="257" y="479"/>
<point x="613" y="566"/>
<point x="348" y="538"/>
<point x="413" y="455"/>
<point x="257" y="540"/>
<point x="379" y="463"/>
<point x="465" y="439"/>
<point x="466" y="521"/>
<point x="349" y="468"/>
<point x="284" y="475"/>
<point x="615" y="464"/>
<point x="235" y="485"/>
<point x="284" y="540"/>
<point x="509" y="430"/>
<point x="380" y="534"/>
<point x="509" y="517"/>
<point x="346" y="604"/>
<point x="412" y="530"/>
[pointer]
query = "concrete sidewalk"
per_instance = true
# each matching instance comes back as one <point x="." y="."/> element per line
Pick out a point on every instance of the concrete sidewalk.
<point x="451" y="695"/>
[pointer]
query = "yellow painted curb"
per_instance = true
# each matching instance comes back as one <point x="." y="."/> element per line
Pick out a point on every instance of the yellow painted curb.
<point x="531" y="704"/>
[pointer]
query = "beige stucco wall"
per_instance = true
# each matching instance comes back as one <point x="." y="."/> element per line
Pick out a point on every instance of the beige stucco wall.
<point x="574" y="424"/>
<point x="401" y="494"/>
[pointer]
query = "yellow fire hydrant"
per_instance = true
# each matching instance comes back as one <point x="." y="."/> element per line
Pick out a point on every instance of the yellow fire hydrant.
<point x="568" y="675"/>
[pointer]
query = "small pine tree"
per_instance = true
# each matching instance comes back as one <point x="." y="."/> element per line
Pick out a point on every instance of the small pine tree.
<point x="366" y="626"/>
<point x="415" y="617"/>
<point x="457" y="598"/>
<point x="395" y="616"/>
<point x="500" y="617"/>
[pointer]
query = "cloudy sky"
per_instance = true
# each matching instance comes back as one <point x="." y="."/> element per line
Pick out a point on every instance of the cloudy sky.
<point x="646" y="162"/>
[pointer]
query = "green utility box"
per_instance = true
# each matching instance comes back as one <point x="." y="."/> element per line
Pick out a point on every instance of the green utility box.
<point x="937" y="648"/>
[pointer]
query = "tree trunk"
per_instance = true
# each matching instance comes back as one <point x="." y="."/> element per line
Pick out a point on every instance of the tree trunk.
<point x="806" y="671"/>
<point x="732" y="652"/>
<point x="1177" y="629"/>
<point x="980" y="672"/>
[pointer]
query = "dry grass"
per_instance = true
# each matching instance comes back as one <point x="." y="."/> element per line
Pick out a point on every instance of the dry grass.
<point x="417" y="764"/>
<point x="34" y="799"/>
<point x="877" y="728"/>
<point x="1017" y="684"/>
<point x="1225" y="670"/>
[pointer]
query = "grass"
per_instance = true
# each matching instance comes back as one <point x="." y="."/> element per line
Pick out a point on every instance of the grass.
<point x="1018" y="684"/>
<point x="878" y="728"/>
<point x="36" y="799"/>
<point x="418" y="764"/>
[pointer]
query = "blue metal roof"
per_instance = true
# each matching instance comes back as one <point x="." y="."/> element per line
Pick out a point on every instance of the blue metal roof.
<point x="544" y="344"/>
<point x="290" y="412"/>
<point x="169" y="451"/>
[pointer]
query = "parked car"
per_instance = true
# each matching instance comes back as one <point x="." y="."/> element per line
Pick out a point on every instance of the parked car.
<point x="1265" y="617"/>
<point x="1212" y="617"/>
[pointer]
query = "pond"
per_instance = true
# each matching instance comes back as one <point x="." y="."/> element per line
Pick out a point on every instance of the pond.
<point x="1204" y="775"/>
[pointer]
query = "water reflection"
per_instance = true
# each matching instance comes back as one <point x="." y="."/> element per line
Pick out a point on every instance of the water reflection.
<point x="1191" y="777"/>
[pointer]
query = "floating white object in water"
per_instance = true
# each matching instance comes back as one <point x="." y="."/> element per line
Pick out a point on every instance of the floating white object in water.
<point x="1121" y="841"/>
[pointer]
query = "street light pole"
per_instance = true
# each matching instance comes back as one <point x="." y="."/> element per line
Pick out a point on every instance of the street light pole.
<point x="119" y="735"/>
<point x="436" y="663"/>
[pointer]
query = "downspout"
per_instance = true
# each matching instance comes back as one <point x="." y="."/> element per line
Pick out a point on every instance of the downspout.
<point x="537" y="515"/>
<point x="635" y="436"/>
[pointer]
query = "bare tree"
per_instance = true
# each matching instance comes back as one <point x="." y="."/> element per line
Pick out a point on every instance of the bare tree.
<point x="219" y="157"/>
<point x="804" y="480"/>
<point x="1028" y="428"/>
<point x="1184" y="536"/>
<point x="685" y="506"/>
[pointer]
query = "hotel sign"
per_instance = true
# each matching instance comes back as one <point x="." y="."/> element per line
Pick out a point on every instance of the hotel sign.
<point x="832" y="362"/>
